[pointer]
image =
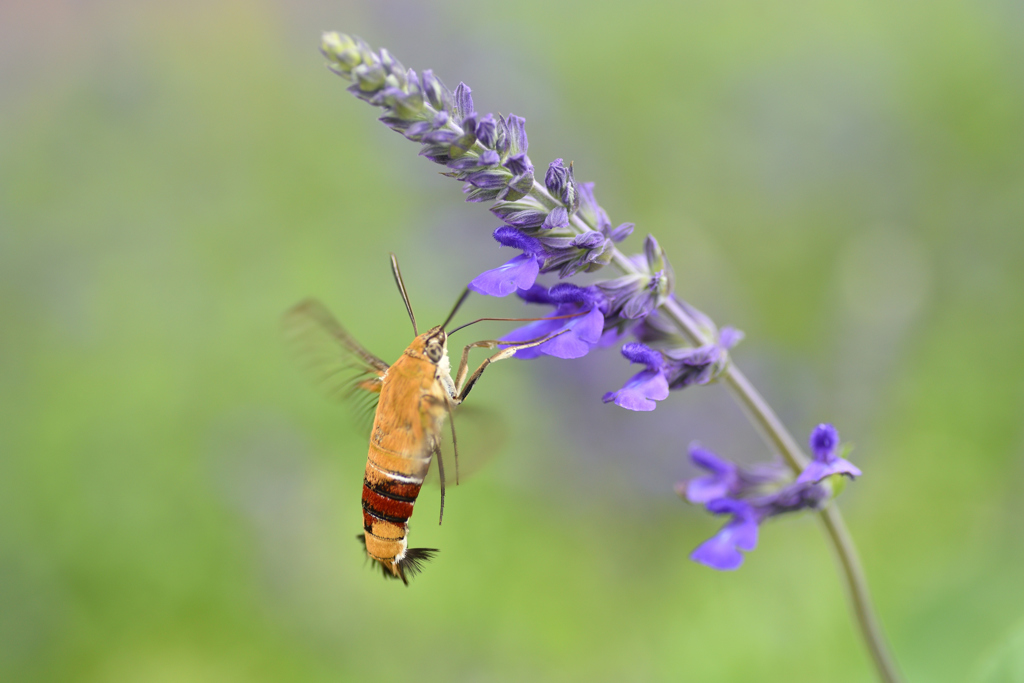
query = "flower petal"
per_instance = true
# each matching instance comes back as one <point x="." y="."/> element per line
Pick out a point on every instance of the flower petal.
<point x="817" y="470"/>
<point x="722" y="551"/>
<point x="703" y="489"/>
<point x="824" y="441"/>
<point x="640" y="392"/>
<point x="723" y="480"/>
<point x="729" y="337"/>
<point x="718" y="552"/>
<point x="519" y="273"/>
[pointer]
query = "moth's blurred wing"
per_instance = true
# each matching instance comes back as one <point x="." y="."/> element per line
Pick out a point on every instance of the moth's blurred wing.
<point x="333" y="359"/>
<point x="480" y="433"/>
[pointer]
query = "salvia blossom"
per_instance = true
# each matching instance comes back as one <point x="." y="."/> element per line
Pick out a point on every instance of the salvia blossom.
<point x="825" y="445"/>
<point x="726" y="479"/>
<point x="674" y="368"/>
<point x="582" y="331"/>
<point x="647" y="386"/>
<point x="751" y="495"/>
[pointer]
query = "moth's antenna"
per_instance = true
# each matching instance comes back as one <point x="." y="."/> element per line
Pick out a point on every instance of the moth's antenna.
<point x="401" y="289"/>
<point x="455" y="308"/>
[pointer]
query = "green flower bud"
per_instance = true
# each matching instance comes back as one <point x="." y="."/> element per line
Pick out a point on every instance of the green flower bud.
<point x="369" y="76"/>
<point x="343" y="52"/>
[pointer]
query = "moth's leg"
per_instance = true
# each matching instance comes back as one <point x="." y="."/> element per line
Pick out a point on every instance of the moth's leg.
<point x="440" y="476"/>
<point x="455" y="441"/>
<point x="509" y="351"/>
<point x="460" y="377"/>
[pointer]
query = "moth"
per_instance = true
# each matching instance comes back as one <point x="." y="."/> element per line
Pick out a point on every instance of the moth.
<point x="411" y="398"/>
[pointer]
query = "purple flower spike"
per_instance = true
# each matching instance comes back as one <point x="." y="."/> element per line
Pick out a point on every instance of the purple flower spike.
<point x="644" y="388"/>
<point x="723" y="481"/>
<point x="825" y="444"/>
<point x="722" y="551"/>
<point x="519" y="273"/>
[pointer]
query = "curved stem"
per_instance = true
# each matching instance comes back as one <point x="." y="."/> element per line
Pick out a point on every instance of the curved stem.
<point x="857" y="588"/>
<point x="781" y="441"/>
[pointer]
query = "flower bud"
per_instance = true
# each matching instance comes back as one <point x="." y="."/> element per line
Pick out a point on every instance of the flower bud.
<point x="620" y="233"/>
<point x="437" y="95"/>
<point x="342" y="50"/>
<point x="486" y="131"/>
<point x="517" y="134"/>
<point x="524" y="213"/>
<point x="589" y="240"/>
<point x="463" y="104"/>
<point x="369" y="76"/>
<point x="654" y="254"/>
<point x="558" y="218"/>
<point x="393" y="67"/>
<point x="561" y="184"/>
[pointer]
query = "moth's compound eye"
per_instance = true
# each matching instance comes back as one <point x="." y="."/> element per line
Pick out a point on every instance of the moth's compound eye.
<point x="434" y="352"/>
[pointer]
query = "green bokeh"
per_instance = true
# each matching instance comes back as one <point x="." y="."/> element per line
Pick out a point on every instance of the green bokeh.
<point x="843" y="181"/>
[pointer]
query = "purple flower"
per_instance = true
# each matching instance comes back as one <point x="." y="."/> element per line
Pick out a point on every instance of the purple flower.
<point x="519" y="273"/>
<point x="824" y="443"/>
<point x="647" y="386"/>
<point x="751" y="495"/>
<point x="634" y="297"/>
<point x="722" y="551"/>
<point x="582" y="331"/>
<point x="723" y="480"/>
<point x="727" y="479"/>
<point x="793" y="498"/>
<point x="702" y="364"/>
<point x="569" y="255"/>
<point x="677" y="368"/>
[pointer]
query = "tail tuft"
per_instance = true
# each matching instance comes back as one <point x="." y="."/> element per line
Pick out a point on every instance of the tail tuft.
<point x="408" y="566"/>
<point x="414" y="560"/>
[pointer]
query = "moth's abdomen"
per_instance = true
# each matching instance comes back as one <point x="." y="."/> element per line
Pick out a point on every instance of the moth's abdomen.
<point x="389" y="494"/>
<point x="404" y="431"/>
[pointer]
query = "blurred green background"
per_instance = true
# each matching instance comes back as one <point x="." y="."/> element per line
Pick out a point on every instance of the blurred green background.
<point x="844" y="181"/>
